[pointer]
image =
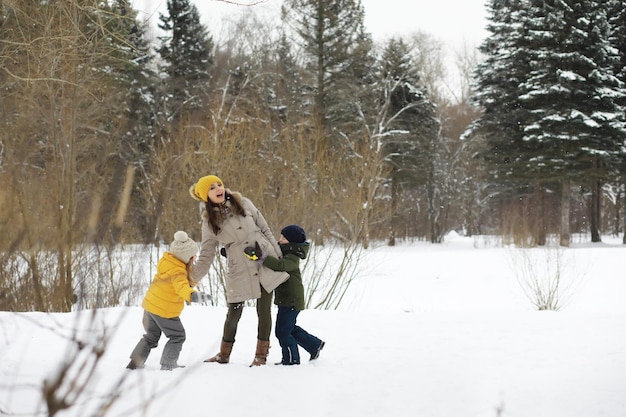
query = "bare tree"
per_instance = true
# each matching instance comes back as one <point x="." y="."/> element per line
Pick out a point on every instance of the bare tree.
<point x="60" y="134"/>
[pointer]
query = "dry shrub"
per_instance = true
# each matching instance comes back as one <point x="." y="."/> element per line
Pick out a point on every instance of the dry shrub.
<point x="548" y="276"/>
<point x="519" y="223"/>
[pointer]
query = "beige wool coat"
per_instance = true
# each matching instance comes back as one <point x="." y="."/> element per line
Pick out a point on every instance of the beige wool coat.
<point x="244" y="277"/>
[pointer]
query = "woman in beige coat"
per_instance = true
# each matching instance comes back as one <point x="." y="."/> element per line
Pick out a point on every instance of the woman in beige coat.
<point x="232" y="221"/>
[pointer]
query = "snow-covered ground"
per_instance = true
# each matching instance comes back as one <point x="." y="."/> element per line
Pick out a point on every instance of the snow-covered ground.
<point x="425" y="330"/>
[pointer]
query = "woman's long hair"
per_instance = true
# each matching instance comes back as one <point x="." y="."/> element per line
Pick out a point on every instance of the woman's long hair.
<point x="216" y="213"/>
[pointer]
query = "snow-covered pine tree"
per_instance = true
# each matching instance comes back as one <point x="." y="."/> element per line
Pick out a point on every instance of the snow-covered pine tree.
<point x="407" y="130"/>
<point x="617" y="21"/>
<point x="288" y="85"/>
<point x="576" y="129"/>
<point x="187" y="53"/>
<point x="133" y="131"/>
<point x="337" y="52"/>
<point x="496" y="84"/>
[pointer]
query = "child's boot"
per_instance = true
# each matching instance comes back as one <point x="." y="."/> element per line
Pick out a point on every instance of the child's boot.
<point x="291" y="355"/>
<point x="133" y="365"/>
<point x="170" y="366"/>
<point x="139" y="355"/>
<point x="316" y="353"/>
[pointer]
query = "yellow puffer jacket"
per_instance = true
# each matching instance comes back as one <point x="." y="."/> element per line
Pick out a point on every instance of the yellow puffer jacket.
<point x="169" y="288"/>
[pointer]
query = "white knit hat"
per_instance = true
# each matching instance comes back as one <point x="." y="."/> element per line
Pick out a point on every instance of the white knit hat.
<point x="183" y="247"/>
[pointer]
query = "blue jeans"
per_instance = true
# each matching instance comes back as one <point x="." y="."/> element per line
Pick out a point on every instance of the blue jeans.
<point x="290" y="335"/>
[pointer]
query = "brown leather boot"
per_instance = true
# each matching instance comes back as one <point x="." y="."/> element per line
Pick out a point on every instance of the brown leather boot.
<point x="262" y="349"/>
<point x="224" y="354"/>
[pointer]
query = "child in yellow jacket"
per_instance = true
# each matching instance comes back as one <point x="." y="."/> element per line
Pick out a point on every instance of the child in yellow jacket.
<point x="164" y="302"/>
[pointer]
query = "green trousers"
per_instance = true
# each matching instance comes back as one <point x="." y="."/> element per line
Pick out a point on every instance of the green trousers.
<point x="264" y="314"/>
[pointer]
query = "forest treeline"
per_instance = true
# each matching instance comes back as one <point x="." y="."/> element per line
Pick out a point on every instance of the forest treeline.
<point x="104" y="127"/>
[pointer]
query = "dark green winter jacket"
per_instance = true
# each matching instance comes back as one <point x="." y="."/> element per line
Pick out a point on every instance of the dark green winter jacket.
<point x="291" y="292"/>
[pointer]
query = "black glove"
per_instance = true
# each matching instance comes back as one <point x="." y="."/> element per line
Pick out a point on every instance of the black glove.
<point x="223" y="252"/>
<point x="254" y="253"/>
<point x="200" y="297"/>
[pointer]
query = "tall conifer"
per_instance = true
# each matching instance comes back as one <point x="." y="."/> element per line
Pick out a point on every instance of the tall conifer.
<point x="337" y="54"/>
<point x="187" y="53"/>
<point x="575" y="133"/>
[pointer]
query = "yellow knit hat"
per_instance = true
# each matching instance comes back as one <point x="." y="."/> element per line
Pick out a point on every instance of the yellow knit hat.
<point x="200" y="190"/>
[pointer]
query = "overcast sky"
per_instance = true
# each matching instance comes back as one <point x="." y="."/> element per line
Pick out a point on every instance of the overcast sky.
<point x="456" y="22"/>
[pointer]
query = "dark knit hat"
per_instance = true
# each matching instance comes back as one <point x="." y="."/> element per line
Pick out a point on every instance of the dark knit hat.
<point x="294" y="233"/>
<point x="183" y="247"/>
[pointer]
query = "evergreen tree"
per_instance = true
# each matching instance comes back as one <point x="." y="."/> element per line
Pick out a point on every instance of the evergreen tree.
<point x="405" y="126"/>
<point x="577" y="127"/>
<point x="187" y="53"/>
<point x="288" y="85"/>
<point x="550" y="96"/>
<point x="500" y="129"/>
<point x="412" y="115"/>
<point x="498" y="78"/>
<point x="135" y="127"/>
<point x="617" y="20"/>
<point x="337" y="54"/>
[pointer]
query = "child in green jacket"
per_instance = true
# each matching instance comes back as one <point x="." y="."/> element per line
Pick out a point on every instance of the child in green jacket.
<point x="289" y="296"/>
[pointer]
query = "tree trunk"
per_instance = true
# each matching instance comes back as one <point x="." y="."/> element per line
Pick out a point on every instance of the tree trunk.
<point x="565" y="233"/>
<point x="624" y="229"/>
<point x="617" y="210"/>
<point x="540" y="215"/>
<point x="624" y="237"/>
<point x="392" y="214"/>
<point x="594" y="208"/>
